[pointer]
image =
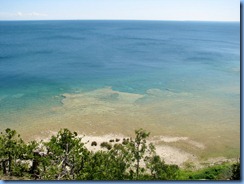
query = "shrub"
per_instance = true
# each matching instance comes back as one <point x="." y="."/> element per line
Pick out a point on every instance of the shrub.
<point x="106" y="145"/>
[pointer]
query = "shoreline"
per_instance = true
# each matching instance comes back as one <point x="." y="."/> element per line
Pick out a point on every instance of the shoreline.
<point x="179" y="127"/>
<point x="167" y="113"/>
<point x="170" y="154"/>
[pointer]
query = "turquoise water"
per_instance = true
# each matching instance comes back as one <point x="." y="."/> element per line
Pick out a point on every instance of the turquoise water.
<point x="42" y="60"/>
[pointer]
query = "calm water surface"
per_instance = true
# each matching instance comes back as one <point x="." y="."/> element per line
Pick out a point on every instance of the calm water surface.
<point x="172" y="78"/>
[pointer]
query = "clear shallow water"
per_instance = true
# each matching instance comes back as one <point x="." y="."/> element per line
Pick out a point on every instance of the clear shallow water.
<point x="186" y="63"/>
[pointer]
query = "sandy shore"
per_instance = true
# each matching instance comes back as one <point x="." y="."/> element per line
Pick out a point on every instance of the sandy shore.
<point x="170" y="154"/>
<point x="208" y="128"/>
<point x="193" y="132"/>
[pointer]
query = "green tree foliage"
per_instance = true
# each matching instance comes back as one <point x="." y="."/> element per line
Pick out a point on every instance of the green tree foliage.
<point x="12" y="148"/>
<point x="161" y="171"/>
<point x="137" y="149"/>
<point x="236" y="171"/>
<point x="65" y="157"/>
<point x="102" y="165"/>
<point x="215" y="172"/>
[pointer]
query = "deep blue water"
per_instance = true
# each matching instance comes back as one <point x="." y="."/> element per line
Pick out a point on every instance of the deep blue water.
<point x="42" y="59"/>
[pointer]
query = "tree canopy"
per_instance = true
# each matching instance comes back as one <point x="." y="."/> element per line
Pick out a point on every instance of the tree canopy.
<point x="65" y="157"/>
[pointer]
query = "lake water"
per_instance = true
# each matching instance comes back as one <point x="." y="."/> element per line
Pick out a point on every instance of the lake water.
<point x="98" y="77"/>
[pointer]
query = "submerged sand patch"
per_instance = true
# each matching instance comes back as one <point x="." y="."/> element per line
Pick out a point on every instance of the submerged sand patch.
<point x="99" y="101"/>
<point x="170" y="139"/>
<point x="201" y="122"/>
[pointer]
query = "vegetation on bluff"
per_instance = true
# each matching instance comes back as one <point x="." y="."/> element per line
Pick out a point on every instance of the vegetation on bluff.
<point x="65" y="157"/>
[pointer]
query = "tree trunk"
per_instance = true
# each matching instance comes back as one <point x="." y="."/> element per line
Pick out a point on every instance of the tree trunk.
<point x="4" y="166"/>
<point x="34" y="168"/>
<point x="10" y="164"/>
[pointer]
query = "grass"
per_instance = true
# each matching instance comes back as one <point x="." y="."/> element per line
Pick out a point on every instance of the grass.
<point x="215" y="172"/>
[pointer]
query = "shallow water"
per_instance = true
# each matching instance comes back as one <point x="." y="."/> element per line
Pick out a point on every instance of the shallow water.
<point x="98" y="77"/>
